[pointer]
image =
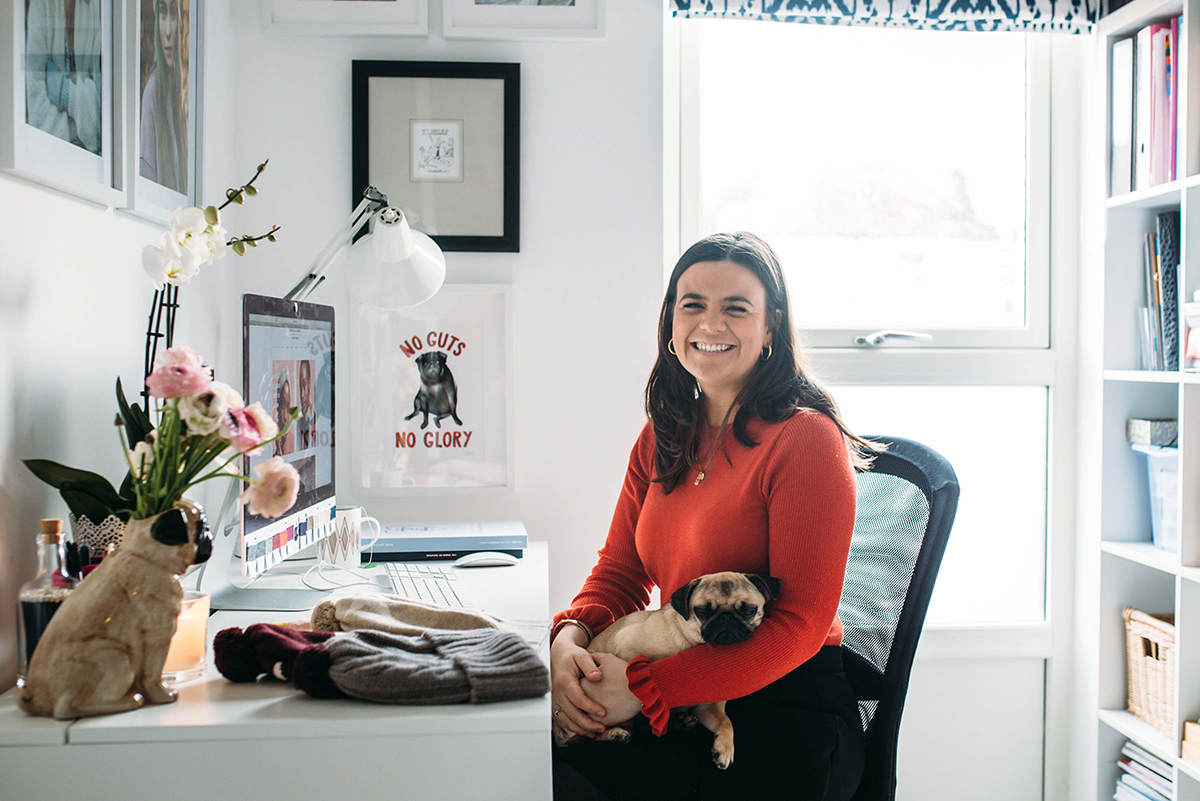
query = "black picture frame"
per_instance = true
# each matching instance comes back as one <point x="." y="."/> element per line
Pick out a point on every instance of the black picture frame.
<point x="510" y="73"/>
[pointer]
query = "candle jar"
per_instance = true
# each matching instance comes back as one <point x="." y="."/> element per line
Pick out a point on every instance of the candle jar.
<point x="186" y="656"/>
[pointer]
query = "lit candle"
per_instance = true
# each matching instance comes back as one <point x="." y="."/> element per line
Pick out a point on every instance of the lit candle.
<point x="185" y="658"/>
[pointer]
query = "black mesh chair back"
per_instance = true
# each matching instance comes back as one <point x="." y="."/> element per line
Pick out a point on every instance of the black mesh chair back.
<point x="906" y="506"/>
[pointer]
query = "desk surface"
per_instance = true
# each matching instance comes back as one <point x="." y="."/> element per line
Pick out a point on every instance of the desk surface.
<point x="212" y="708"/>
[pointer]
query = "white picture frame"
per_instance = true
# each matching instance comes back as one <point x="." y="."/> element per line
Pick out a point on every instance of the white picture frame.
<point x="148" y="198"/>
<point x="467" y="19"/>
<point x="27" y="149"/>
<point x="340" y="18"/>
<point x="392" y="453"/>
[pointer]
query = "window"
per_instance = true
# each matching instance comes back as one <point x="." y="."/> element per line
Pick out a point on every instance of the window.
<point x="902" y="177"/>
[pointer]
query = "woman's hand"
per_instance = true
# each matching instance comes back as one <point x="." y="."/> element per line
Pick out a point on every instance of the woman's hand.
<point x="570" y="666"/>
<point x="612" y="690"/>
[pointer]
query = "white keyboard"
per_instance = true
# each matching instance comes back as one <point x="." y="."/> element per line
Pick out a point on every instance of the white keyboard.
<point x="431" y="583"/>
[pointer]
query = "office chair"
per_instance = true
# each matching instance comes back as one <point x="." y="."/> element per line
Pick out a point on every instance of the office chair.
<point x="906" y="506"/>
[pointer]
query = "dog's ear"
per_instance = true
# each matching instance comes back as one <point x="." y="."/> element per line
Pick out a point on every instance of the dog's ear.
<point x="441" y="357"/>
<point x="681" y="599"/>
<point x="170" y="528"/>
<point x="769" y="586"/>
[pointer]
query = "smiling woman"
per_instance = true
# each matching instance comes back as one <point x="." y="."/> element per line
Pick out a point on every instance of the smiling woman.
<point x="777" y="497"/>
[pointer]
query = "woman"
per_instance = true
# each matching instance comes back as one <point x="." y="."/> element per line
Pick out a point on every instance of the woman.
<point x="283" y="405"/>
<point x="164" y="143"/>
<point x="63" y="70"/>
<point x="745" y="465"/>
<point x="306" y="421"/>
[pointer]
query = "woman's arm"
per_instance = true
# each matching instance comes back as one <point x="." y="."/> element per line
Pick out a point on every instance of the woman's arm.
<point x="618" y="583"/>
<point x="810" y="490"/>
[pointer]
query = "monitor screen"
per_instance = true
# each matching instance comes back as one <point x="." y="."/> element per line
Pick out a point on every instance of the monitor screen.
<point x="287" y="358"/>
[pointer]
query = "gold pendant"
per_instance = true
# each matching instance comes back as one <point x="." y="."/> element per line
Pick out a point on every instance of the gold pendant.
<point x="699" y="478"/>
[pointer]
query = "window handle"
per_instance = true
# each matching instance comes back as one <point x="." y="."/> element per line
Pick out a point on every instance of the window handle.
<point x="879" y="337"/>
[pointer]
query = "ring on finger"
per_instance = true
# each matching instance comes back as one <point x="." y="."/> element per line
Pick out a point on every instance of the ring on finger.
<point x="558" y="712"/>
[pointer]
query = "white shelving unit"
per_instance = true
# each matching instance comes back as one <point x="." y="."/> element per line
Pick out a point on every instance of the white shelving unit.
<point x="1132" y="571"/>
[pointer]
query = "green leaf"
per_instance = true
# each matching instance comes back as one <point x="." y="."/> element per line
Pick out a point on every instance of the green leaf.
<point x="238" y="199"/>
<point x="239" y="248"/>
<point x="230" y="193"/>
<point x="211" y="215"/>
<point x="126" y="492"/>
<point x="271" y="238"/>
<point x="57" y="475"/>
<point x="137" y="424"/>
<point x="251" y="243"/>
<point x="103" y="493"/>
<point x="250" y="190"/>
<point x="82" y="504"/>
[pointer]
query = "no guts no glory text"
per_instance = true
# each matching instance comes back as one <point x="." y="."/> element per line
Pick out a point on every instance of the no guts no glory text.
<point x="437" y="396"/>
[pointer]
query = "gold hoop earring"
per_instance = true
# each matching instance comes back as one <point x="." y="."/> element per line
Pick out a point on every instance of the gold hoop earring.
<point x="767" y="357"/>
<point x="671" y="347"/>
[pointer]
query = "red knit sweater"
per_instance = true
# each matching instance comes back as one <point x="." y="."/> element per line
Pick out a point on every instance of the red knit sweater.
<point x="784" y="508"/>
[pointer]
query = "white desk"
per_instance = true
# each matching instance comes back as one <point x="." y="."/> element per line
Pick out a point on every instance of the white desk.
<point x="270" y="741"/>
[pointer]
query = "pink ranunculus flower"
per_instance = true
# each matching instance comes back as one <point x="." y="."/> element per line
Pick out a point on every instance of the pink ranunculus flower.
<point x="177" y="381"/>
<point x="180" y="354"/>
<point x="275" y="491"/>
<point x="246" y="428"/>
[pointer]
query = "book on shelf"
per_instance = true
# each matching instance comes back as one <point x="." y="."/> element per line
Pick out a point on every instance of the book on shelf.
<point x="1141" y="110"/>
<point x="1148" y="777"/>
<point x="1160" y="116"/>
<point x="1167" y="256"/>
<point x="1143" y="789"/>
<point x="1121" y="179"/>
<point x="1173" y="89"/>
<point x="1144" y="757"/>
<point x="1150" y="321"/>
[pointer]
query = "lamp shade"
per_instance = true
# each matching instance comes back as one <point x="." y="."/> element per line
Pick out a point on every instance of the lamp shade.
<point x="394" y="266"/>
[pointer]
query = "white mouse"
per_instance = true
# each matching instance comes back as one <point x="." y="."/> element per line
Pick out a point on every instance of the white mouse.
<point x="486" y="559"/>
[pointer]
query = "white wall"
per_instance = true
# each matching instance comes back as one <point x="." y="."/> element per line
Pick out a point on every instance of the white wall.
<point x="586" y="285"/>
<point x="73" y="307"/>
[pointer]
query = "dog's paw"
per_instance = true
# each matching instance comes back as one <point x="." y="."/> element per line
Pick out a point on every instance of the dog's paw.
<point x="722" y="752"/>
<point x="684" y="722"/>
<point x="615" y="735"/>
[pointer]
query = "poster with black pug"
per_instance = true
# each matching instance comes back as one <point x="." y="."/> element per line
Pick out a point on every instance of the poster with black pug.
<point x="432" y="409"/>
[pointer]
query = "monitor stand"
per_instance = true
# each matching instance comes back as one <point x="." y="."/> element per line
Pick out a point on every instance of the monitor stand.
<point x="217" y="576"/>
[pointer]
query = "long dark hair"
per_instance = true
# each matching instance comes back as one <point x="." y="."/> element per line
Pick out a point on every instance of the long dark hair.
<point x="776" y="389"/>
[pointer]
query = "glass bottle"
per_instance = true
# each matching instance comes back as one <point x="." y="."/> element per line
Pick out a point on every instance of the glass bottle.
<point x="40" y="599"/>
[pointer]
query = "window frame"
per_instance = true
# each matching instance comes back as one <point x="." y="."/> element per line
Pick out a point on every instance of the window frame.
<point x="1036" y="331"/>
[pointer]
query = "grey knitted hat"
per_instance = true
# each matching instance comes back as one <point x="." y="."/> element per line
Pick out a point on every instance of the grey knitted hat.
<point x="436" y="667"/>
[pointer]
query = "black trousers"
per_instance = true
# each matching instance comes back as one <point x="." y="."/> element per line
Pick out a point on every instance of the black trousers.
<point x="799" y="738"/>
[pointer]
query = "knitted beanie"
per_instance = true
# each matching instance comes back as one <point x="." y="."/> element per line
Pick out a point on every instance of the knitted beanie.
<point x="435" y="667"/>
<point x="394" y="614"/>
<point x="262" y="648"/>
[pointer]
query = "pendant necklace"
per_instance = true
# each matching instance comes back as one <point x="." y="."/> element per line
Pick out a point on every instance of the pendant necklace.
<point x="712" y="451"/>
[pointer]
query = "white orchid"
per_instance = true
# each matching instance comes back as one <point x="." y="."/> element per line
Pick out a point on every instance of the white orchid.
<point x="141" y="458"/>
<point x="169" y="263"/>
<point x="203" y="413"/>
<point x="187" y="224"/>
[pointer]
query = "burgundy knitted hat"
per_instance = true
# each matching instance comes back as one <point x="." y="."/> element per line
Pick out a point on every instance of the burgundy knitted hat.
<point x="262" y="648"/>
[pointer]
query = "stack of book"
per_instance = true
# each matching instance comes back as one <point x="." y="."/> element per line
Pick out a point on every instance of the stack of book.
<point x="1158" y="322"/>
<point x="1144" y="777"/>
<point x="1145" y="108"/>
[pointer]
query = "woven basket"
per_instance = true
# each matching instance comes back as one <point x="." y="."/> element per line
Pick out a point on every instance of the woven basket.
<point x="1150" y="645"/>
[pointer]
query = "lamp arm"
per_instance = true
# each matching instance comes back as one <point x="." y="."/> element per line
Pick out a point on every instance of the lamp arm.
<point x="353" y="224"/>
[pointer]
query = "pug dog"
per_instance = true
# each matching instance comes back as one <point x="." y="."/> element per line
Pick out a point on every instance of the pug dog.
<point x="104" y="649"/>
<point x="438" y="394"/>
<point x="716" y="608"/>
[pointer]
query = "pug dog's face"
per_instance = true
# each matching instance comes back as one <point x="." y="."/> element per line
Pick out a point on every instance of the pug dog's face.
<point x="727" y="607"/>
<point x="184" y="525"/>
<point x="431" y="365"/>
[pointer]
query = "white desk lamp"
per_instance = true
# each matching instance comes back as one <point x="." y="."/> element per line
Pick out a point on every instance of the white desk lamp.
<point x="393" y="266"/>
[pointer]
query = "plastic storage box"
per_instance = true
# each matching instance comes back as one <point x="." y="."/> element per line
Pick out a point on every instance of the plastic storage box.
<point x="1163" y="467"/>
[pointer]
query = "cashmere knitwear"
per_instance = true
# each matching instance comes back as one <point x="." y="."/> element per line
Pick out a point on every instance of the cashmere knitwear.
<point x="783" y="508"/>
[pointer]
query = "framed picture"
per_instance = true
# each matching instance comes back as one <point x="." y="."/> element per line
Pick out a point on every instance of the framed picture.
<point x="442" y="140"/>
<point x="523" y="19"/>
<point x="432" y="395"/>
<point x="60" y="82"/>
<point x="164" y="125"/>
<point x="345" y="18"/>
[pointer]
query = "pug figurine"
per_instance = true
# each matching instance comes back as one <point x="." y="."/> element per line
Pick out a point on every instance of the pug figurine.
<point x="104" y="649"/>
<point x="716" y="608"/>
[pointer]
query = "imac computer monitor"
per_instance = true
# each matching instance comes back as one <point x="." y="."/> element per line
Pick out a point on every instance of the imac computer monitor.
<point x="287" y="358"/>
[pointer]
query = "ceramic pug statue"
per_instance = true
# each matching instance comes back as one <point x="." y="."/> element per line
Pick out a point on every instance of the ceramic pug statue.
<point x="104" y="650"/>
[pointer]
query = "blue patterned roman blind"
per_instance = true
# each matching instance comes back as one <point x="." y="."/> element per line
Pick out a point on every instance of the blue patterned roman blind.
<point x="1062" y="16"/>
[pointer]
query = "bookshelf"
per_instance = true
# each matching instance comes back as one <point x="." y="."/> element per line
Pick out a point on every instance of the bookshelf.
<point x="1131" y="572"/>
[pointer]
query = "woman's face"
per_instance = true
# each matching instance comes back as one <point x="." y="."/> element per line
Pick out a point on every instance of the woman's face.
<point x="285" y="399"/>
<point x="168" y="26"/>
<point x="719" y="326"/>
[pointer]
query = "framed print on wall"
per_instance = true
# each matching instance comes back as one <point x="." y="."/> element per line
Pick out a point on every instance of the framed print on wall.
<point x="342" y="18"/>
<point x="523" y="19"/>
<point x="59" y="91"/>
<point x="442" y="140"/>
<point x="432" y="387"/>
<point x="164" y="126"/>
